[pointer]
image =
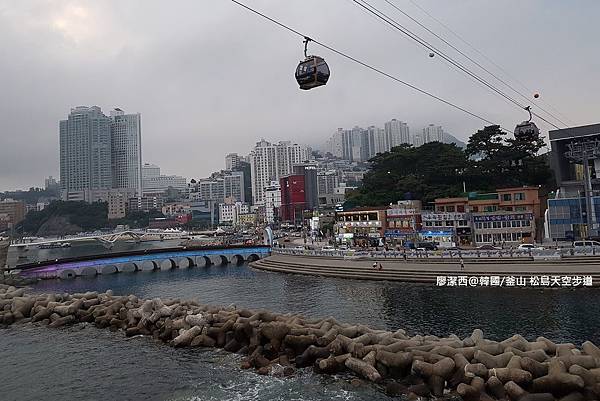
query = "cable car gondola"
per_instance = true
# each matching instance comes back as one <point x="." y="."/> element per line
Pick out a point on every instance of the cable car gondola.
<point x="313" y="71"/>
<point x="527" y="130"/>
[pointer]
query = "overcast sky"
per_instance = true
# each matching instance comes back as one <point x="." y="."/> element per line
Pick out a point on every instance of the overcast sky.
<point x="210" y="78"/>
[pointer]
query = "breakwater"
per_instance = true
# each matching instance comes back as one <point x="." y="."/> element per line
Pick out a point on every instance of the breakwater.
<point x="278" y="344"/>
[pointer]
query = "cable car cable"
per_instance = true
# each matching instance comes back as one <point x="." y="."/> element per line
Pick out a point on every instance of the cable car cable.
<point x="508" y="74"/>
<point x="471" y="59"/>
<point x="429" y="46"/>
<point x="340" y="53"/>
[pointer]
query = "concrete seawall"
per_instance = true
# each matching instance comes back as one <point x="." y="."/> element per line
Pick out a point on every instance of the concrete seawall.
<point x="425" y="271"/>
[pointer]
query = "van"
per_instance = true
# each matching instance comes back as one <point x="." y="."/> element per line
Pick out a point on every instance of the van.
<point x="586" y="244"/>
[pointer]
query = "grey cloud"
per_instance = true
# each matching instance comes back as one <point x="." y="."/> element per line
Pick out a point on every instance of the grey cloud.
<point x="211" y="78"/>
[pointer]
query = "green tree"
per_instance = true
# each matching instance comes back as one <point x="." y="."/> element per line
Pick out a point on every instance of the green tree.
<point x="426" y="172"/>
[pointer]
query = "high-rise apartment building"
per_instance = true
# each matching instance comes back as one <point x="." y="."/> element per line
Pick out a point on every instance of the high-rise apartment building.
<point x="99" y="153"/>
<point x="232" y="161"/>
<point x="268" y="162"/>
<point x="335" y="145"/>
<point x="233" y="186"/>
<point x="327" y="180"/>
<point x="418" y="140"/>
<point x="85" y="154"/>
<point x="51" y="184"/>
<point x="433" y="133"/>
<point x="360" y="145"/>
<point x="126" y="152"/>
<point x="397" y="133"/>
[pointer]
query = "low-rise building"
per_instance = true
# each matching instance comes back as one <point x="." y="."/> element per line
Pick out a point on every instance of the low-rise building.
<point x="361" y="226"/>
<point x="146" y="203"/>
<point x="229" y="212"/>
<point x="448" y="229"/>
<point x="117" y="204"/>
<point x="247" y="219"/>
<point x="403" y="222"/>
<point x="507" y="217"/>
<point x="14" y="212"/>
<point x="176" y="208"/>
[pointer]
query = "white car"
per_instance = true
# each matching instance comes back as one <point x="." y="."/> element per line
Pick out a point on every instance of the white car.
<point x="532" y="247"/>
<point x="586" y="244"/>
<point x="328" y="248"/>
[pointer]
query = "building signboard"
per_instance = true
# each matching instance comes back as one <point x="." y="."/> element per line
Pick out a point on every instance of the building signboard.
<point x="443" y="216"/>
<point x="503" y="217"/>
<point x="401" y="212"/>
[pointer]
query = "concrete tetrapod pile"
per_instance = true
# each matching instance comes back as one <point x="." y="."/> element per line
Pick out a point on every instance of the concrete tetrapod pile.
<point x="473" y="368"/>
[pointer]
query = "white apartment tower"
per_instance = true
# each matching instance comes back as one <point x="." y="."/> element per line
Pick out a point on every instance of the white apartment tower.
<point x="126" y="142"/>
<point x="335" y="143"/>
<point x="232" y="161"/>
<point x="85" y="154"/>
<point x="268" y="162"/>
<point x="396" y="133"/>
<point x="433" y="133"/>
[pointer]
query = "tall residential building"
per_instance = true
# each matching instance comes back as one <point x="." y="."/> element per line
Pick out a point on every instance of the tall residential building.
<point x="327" y="180"/>
<point x="268" y="162"/>
<point x="232" y="161"/>
<point x="335" y="145"/>
<point x="85" y="154"/>
<point x="233" y="186"/>
<point x="397" y="133"/>
<point x="418" y="140"/>
<point x="50" y="183"/>
<point x="244" y="167"/>
<point x="126" y="143"/>
<point x="433" y="133"/>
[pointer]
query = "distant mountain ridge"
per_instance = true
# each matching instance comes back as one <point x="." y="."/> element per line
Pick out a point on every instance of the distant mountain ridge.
<point x="449" y="138"/>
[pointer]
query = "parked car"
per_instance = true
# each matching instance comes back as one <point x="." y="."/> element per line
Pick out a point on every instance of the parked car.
<point x="586" y="244"/>
<point x="328" y="248"/>
<point x="426" y="246"/>
<point x="488" y="248"/>
<point x="533" y="247"/>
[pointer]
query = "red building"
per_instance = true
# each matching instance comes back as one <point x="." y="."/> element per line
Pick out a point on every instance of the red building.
<point x="293" y="198"/>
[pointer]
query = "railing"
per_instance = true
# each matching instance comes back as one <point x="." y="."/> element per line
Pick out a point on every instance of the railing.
<point x="446" y="254"/>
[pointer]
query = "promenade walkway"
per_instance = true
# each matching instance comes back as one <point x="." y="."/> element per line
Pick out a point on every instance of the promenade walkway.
<point x="432" y="271"/>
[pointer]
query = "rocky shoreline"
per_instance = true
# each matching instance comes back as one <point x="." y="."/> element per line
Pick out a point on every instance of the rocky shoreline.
<point x="473" y="368"/>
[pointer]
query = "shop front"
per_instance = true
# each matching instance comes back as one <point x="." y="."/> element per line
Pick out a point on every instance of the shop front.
<point x="442" y="238"/>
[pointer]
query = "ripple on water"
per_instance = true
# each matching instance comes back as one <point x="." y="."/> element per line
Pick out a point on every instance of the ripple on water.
<point x="91" y="364"/>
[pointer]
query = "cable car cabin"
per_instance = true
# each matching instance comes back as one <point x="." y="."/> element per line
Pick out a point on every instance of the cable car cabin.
<point x="312" y="72"/>
<point x="526" y="131"/>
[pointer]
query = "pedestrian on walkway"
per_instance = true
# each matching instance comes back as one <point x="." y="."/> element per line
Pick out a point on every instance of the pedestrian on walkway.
<point x="374" y="265"/>
<point x="404" y="255"/>
<point x="380" y="266"/>
<point x="462" y="264"/>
